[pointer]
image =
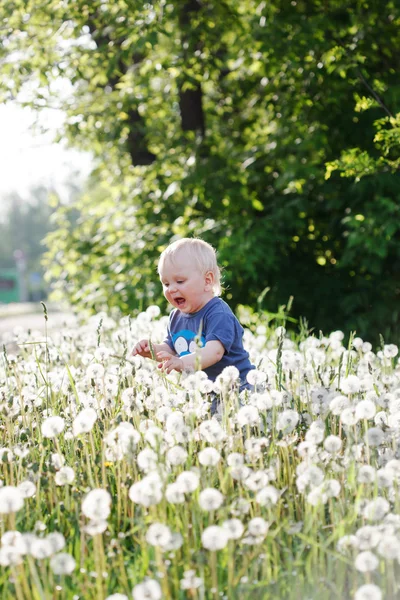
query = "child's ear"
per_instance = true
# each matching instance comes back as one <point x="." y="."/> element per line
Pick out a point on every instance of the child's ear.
<point x="209" y="280"/>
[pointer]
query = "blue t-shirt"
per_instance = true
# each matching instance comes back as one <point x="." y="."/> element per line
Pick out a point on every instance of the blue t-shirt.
<point x="215" y="321"/>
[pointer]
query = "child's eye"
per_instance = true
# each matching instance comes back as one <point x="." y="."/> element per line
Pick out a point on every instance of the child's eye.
<point x="180" y="281"/>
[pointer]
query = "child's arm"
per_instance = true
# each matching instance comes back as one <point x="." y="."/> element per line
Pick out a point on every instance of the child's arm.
<point x="142" y="348"/>
<point x="212" y="353"/>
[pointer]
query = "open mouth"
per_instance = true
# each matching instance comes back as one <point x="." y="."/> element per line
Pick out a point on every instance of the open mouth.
<point x="180" y="301"/>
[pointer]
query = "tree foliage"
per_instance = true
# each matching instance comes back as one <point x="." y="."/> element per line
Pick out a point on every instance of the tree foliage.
<point x="233" y="120"/>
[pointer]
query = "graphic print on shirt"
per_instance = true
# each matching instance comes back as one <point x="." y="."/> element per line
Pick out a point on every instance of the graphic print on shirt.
<point x="185" y="341"/>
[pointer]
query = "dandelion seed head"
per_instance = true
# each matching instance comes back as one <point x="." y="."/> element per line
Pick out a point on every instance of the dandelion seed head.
<point x="158" y="534"/>
<point x="348" y="416"/>
<point x="366" y="474"/>
<point x="209" y="457"/>
<point x="95" y="527"/>
<point x="332" y="444"/>
<point x="147" y="590"/>
<point x="368" y="591"/>
<point x="210" y="499"/>
<point x="366" y="562"/>
<point x="376" y="509"/>
<point x="268" y="496"/>
<point x="52" y="427"/>
<point x="190" y="581"/>
<point x="188" y="481"/>
<point x="248" y="415"/>
<point x="374" y="436"/>
<point x="84" y="421"/>
<point x="41" y="548"/>
<point x="176" y="455"/>
<point x="234" y="528"/>
<point x="350" y="384"/>
<point x="27" y="489"/>
<point x="62" y="563"/>
<point x="11" y="499"/>
<point x="214" y="538"/>
<point x="365" y="409"/>
<point x="338" y="404"/>
<point x="287" y="421"/>
<point x="10" y="556"/>
<point x="97" y="504"/>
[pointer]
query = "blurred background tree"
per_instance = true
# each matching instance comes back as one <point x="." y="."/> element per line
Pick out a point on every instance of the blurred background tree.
<point x="270" y="129"/>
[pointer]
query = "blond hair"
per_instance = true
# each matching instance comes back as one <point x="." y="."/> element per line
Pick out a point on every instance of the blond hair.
<point x="203" y="255"/>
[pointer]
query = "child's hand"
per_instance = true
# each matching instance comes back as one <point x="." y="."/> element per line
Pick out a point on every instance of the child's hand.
<point x="169" y="362"/>
<point x="142" y="348"/>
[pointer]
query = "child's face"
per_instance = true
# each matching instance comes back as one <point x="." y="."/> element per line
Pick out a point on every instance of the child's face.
<point x="184" y="286"/>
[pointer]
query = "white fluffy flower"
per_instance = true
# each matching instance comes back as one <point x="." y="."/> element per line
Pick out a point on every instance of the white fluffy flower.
<point x="376" y="509"/>
<point x="338" y="404"/>
<point x="234" y="528"/>
<point x="147" y="491"/>
<point x="374" y="436"/>
<point x="365" y="409"/>
<point x="256" y="377"/>
<point x="230" y="375"/>
<point x="52" y="427"/>
<point x="27" y="489"/>
<point x="235" y="459"/>
<point x="187" y="481"/>
<point x="62" y="563"/>
<point x="211" y="431"/>
<point x="147" y="590"/>
<point x="97" y="504"/>
<point x="209" y="457"/>
<point x="367" y="537"/>
<point x="11" y="499"/>
<point x="173" y="494"/>
<point x="348" y="416"/>
<point x="96" y="527"/>
<point x="248" y="415"/>
<point x="56" y="541"/>
<point x="389" y="547"/>
<point x="158" y="535"/>
<point x="190" y="581"/>
<point x="214" y="538"/>
<point x="366" y="474"/>
<point x="41" y="548"/>
<point x="287" y="421"/>
<point x="366" y="562"/>
<point x="84" y="421"/>
<point x="177" y="455"/>
<point x="57" y="460"/>
<point x="390" y="350"/>
<point x="210" y="499"/>
<point x="268" y="496"/>
<point x="147" y="460"/>
<point x="368" y="591"/>
<point x="10" y="556"/>
<point x="65" y="476"/>
<point x="332" y="444"/>
<point x="350" y="384"/>
<point x="258" y="527"/>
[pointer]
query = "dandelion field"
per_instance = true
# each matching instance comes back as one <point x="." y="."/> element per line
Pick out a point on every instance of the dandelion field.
<point x="116" y="482"/>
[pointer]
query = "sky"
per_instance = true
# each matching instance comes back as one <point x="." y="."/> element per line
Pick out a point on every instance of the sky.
<point x="28" y="159"/>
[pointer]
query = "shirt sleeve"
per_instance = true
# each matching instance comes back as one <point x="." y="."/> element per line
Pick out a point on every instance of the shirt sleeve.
<point x="222" y="328"/>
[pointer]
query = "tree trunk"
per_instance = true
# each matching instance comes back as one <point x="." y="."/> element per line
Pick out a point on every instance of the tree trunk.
<point x="190" y="98"/>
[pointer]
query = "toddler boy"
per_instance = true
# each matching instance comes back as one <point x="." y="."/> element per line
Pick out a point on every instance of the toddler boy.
<point x="202" y="331"/>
